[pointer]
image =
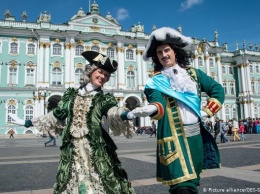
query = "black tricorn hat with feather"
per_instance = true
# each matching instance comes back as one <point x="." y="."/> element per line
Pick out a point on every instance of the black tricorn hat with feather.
<point x="100" y="60"/>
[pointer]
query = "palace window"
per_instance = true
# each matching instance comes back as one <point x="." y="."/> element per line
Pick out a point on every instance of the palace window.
<point x="227" y="113"/>
<point x="111" y="52"/>
<point x="78" y="73"/>
<point x="112" y="80"/>
<point x="78" y="50"/>
<point x="253" y="86"/>
<point x="95" y="48"/>
<point x="200" y="61"/>
<point x="12" y="76"/>
<point x="230" y="70"/>
<point x="223" y="69"/>
<point x="28" y="112"/>
<point x="130" y="82"/>
<point x="10" y="109"/>
<point x="14" y="48"/>
<point x="225" y="87"/>
<point x="251" y="68"/>
<point x="56" y="76"/>
<point x="56" y="49"/>
<point x="129" y="54"/>
<point x="29" y="76"/>
<point x="211" y="62"/>
<point x="232" y="88"/>
<point x="31" y="49"/>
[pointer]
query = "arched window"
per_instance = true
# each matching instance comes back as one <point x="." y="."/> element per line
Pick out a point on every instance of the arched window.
<point x="258" y="87"/>
<point x="234" y="113"/>
<point x="227" y="113"/>
<point x="28" y="112"/>
<point x="56" y="49"/>
<point x="223" y="69"/>
<point x="14" y="48"/>
<point x="78" y="73"/>
<point x="257" y="69"/>
<point x="253" y="86"/>
<point x="111" y="52"/>
<point x="78" y="50"/>
<point x="232" y="88"/>
<point x="251" y="68"/>
<point x="211" y="62"/>
<point x="129" y="54"/>
<point x="10" y="109"/>
<point x="130" y="82"/>
<point x="230" y="70"/>
<point x="56" y="76"/>
<point x="225" y="87"/>
<point x="200" y="61"/>
<point x="112" y="80"/>
<point x="31" y="49"/>
<point x="95" y="48"/>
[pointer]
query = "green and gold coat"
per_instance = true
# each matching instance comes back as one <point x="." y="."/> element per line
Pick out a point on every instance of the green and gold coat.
<point x="180" y="159"/>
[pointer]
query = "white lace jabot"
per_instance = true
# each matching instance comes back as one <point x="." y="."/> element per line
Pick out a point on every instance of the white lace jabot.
<point x="179" y="79"/>
<point x="89" y="88"/>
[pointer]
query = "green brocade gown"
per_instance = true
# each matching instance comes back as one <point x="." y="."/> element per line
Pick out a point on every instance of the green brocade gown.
<point x="88" y="160"/>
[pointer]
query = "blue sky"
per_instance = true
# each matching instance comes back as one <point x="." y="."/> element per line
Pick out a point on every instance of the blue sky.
<point x="234" y="20"/>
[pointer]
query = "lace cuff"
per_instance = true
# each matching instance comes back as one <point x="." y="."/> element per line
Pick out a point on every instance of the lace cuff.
<point x="47" y="122"/>
<point x="117" y="125"/>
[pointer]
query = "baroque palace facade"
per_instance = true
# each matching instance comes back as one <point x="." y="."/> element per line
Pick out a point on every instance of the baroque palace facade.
<point x="39" y="61"/>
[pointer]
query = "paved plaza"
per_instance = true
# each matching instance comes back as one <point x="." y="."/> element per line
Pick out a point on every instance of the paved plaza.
<point x="27" y="167"/>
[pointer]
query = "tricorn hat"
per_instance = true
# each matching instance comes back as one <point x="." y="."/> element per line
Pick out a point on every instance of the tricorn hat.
<point x="162" y="36"/>
<point x="100" y="60"/>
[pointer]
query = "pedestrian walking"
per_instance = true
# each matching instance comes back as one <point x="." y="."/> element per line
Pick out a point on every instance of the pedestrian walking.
<point x="52" y="137"/>
<point x="242" y="131"/>
<point x="11" y="132"/>
<point x="223" y="130"/>
<point x="235" y="130"/>
<point x="153" y="129"/>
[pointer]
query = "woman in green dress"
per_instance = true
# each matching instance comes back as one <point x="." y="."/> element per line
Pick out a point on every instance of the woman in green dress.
<point x="88" y="161"/>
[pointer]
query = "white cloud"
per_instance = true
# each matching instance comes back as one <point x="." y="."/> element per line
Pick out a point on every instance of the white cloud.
<point x="122" y="14"/>
<point x="189" y="3"/>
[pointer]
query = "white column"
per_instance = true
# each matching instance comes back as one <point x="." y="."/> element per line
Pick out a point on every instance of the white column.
<point x="41" y="107"/>
<point x="139" y="70"/>
<point x="40" y="64"/>
<point x="47" y="65"/>
<point x="67" y="65"/>
<point x="36" y="105"/>
<point x="222" y="111"/>
<point x="72" y="65"/>
<point x="206" y="58"/>
<point x="121" y="67"/>
<point x="196" y="60"/>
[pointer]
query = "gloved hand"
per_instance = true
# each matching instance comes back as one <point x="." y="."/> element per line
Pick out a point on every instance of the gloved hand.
<point x="144" y="111"/>
<point x="16" y="120"/>
<point x="130" y="115"/>
<point x="204" y="114"/>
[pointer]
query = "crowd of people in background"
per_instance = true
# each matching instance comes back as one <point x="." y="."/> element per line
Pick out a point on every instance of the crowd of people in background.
<point x="234" y="128"/>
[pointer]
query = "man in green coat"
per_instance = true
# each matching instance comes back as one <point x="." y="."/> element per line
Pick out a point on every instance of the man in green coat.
<point x="184" y="146"/>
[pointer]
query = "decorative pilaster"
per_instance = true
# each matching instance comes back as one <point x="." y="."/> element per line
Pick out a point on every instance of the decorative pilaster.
<point x="47" y="64"/>
<point x="121" y="69"/>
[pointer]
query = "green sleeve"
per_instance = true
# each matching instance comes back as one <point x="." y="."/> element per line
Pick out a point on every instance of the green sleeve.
<point x="108" y="101"/>
<point x="62" y="110"/>
<point x="211" y="87"/>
